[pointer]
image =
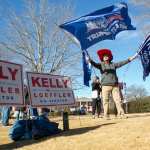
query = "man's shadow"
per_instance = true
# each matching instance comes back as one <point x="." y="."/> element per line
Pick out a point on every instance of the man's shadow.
<point x="71" y="132"/>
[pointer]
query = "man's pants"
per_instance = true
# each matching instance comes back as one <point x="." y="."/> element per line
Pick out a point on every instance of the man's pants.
<point x="96" y="104"/>
<point x="5" y="112"/>
<point x="114" y="90"/>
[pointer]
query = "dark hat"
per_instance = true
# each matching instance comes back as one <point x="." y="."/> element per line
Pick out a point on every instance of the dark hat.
<point x="103" y="52"/>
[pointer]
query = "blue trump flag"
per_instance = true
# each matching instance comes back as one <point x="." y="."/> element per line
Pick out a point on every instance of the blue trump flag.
<point x="99" y="25"/>
<point x="86" y="68"/>
<point x="145" y="57"/>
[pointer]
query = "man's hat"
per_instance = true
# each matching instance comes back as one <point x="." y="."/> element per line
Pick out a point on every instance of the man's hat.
<point x="103" y="52"/>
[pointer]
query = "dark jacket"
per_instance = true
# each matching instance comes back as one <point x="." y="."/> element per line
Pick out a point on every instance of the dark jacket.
<point x="108" y="71"/>
<point x="96" y="86"/>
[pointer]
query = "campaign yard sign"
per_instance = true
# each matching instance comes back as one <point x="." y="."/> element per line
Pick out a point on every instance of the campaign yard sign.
<point x="11" y="84"/>
<point x="49" y="90"/>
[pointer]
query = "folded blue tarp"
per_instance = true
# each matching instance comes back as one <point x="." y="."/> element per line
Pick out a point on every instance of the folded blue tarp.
<point x="37" y="128"/>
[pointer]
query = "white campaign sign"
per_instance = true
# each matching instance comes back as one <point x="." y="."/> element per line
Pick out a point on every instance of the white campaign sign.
<point x="11" y="84"/>
<point x="49" y="90"/>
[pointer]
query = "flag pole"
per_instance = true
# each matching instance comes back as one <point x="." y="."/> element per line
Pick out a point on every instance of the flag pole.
<point x="77" y="43"/>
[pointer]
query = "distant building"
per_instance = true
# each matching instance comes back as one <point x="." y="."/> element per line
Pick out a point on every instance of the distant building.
<point x="84" y="102"/>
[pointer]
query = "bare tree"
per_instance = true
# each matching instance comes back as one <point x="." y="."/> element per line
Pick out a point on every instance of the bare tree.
<point x="134" y="91"/>
<point x="33" y="37"/>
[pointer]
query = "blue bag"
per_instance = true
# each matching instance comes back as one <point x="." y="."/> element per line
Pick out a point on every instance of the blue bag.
<point x="28" y="129"/>
<point x="20" y="130"/>
<point x="42" y="127"/>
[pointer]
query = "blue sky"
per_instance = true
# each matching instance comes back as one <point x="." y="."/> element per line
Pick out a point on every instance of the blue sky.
<point x="126" y="43"/>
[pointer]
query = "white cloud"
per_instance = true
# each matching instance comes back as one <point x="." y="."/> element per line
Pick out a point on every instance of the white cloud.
<point x="126" y="35"/>
<point x="142" y="19"/>
<point x="145" y="3"/>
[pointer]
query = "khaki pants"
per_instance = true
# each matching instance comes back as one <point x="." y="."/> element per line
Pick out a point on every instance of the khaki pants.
<point x="106" y="91"/>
